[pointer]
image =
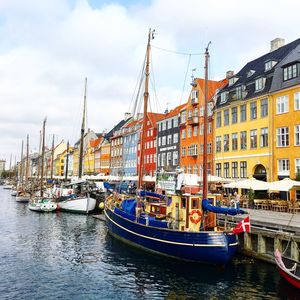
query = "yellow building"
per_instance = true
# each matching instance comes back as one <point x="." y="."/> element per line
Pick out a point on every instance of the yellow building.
<point x="245" y="118"/>
<point x="60" y="163"/>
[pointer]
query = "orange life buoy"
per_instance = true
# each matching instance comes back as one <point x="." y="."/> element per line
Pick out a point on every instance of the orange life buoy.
<point x="195" y="216"/>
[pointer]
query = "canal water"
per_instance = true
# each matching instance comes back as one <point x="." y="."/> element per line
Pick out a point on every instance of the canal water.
<point x="67" y="256"/>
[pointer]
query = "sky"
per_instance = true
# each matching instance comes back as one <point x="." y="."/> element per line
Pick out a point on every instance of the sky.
<point x="48" y="47"/>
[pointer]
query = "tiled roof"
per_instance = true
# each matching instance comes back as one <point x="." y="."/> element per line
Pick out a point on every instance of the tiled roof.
<point x="154" y="117"/>
<point x="212" y="85"/>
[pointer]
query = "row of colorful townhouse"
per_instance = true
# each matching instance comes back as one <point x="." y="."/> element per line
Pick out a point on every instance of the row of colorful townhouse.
<point x="253" y="127"/>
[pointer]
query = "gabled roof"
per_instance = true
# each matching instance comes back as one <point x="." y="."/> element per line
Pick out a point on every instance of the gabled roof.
<point x="212" y="85"/>
<point x="154" y="117"/>
<point x="174" y="112"/>
<point x="115" y="128"/>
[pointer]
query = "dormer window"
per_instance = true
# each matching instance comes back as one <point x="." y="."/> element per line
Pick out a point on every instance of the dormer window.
<point x="232" y="80"/>
<point x="250" y="73"/>
<point x="194" y="96"/>
<point x="291" y="71"/>
<point x="260" y="83"/>
<point x="238" y="92"/>
<point x="269" y="65"/>
<point x="224" y="97"/>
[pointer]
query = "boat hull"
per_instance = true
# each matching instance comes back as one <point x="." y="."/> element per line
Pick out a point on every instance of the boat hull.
<point x="204" y="247"/>
<point x="78" y="205"/>
<point x="292" y="280"/>
<point x="22" y="199"/>
<point x="46" y="206"/>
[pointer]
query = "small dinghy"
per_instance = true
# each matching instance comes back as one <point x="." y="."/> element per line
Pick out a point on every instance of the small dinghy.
<point x="288" y="269"/>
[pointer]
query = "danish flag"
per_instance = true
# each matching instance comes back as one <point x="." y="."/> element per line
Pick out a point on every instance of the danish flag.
<point x="243" y="226"/>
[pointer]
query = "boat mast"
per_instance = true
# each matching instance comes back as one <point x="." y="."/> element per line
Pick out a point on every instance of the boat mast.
<point x="43" y="154"/>
<point x="21" y="165"/>
<point x="67" y="162"/>
<point x="82" y="133"/>
<point x="27" y="160"/>
<point x="146" y="96"/>
<point x="9" y="176"/>
<point x="205" y="124"/>
<point x="52" y="158"/>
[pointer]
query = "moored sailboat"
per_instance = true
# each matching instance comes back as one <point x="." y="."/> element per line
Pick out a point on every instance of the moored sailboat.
<point x="41" y="203"/>
<point x="80" y="202"/>
<point x="179" y="226"/>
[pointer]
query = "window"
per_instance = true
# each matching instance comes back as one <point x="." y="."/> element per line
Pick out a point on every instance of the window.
<point x="183" y="134"/>
<point x="175" y="158"/>
<point x="297" y="166"/>
<point x="183" y="202"/>
<point x="282" y="104"/>
<point x="193" y="150"/>
<point x="169" y="139"/>
<point x="163" y="159"/>
<point x="175" y="122"/>
<point x="218" y="170"/>
<point x="195" y="133"/>
<point x="297" y="101"/>
<point x="158" y="160"/>
<point x="282" y="136"/>
<point x="169" y="158"/>
<point x="183" y="117"/>
<point x="243" y="113"/>
<point x="196" y="169"/>
<point x="224" y="97"/>
<point x="219" y="119"/>
<point x="297" y="135"/>
<point x="201" y="129"/>
<point x="194" y="203"/>
<point x="263" y="108"/>
<point x="189" y="169"/>
<point x="243" y="136"/>
<point x="269" y="65"/>
<point x="175" y="138"/>
<point x="201" y="148"/>
<point x="253" y="110"/>
<point x="283" y="167"/>
<point x="226" y="170"/>
<point x="194" y="96"/>
<point x="163" y="141"/>
<point x="201" y="111"/>
<point x="164" y="125"/>
<point x="260" y="83"/>
<point x="290" y="72"/>
<point x="209" y="130"/>
<point x="226" y="142"/>
<point x="238" y="92"/>
<point x="264" y="136"/>
<point x="226" y="117"/>
<point x="233" y="115"/>
<point x="234" y="141"/>
<point x="190" y="114"/>
<point x="189" y="132"/>
<point x="253" y="139"/>
<point x="170" y="124"/>
<point x="218" y="144"/>
<point x="234" y="169"/>
<point x="209" y="148"/>
<point x="159" y="141"/>
<point x="183" y="151"/>
<point x="243" y="169"/>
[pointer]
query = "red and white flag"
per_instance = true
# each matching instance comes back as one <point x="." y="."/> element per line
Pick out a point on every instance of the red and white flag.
<point x="243" y="226"/>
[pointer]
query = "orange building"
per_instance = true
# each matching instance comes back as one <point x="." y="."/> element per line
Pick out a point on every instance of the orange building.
<point x="192" y="128"/>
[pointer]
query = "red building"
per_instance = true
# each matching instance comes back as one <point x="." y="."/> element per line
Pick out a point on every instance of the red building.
<point x="150" y="144"/>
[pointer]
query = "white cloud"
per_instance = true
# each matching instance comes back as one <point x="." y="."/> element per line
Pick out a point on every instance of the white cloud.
<point x="48" y="47"/>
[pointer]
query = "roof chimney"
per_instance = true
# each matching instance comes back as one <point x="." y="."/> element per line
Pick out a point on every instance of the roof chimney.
<point x="229" y="74"/>
<point x="277" y="43"/>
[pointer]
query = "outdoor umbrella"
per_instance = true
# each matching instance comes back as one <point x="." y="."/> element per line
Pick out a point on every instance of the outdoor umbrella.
<point x="252" y="183"/>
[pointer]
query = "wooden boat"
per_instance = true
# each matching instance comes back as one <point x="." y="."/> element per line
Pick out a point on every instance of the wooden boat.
<point x="288" y="269"/>
<point x="42" y="205"/>
<point x="180" y="226"/>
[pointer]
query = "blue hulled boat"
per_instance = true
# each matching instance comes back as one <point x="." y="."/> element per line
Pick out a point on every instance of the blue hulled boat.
<point x="178" y="226"/>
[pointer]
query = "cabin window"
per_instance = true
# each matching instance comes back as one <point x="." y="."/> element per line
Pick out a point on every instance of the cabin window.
<point x="183" y="202"/>
<point x="194" y="203"/>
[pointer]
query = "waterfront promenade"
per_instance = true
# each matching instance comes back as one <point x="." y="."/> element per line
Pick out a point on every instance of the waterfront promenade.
<point x="281" y="221"/>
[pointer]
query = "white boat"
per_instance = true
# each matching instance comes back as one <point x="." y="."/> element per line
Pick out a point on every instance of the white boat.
<point x="14" y="192"/>
<point x="77" y="205"/>
<point x="42" y="205"/>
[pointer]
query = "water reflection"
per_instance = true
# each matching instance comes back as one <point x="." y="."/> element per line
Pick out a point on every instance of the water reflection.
<point x="68" y="256"/>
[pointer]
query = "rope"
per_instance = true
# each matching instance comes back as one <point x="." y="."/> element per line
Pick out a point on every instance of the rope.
<point x="184" y="82"/>
<point x="177" y="52"/>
